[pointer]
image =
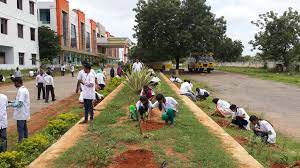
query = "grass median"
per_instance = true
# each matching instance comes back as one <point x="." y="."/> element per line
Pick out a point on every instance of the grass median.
<point x="189" y="144"/>
<point x="288" y="78"/>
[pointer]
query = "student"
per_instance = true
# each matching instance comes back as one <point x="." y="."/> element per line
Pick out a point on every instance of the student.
<point x="17" y="73"/>
<point x="201" y="94"/>
<point x="168" y="105"/>
<point x="49" y="84"/>
<point x="137" y="66"/>
<point x="21" y="107"/>
<point x="52" y="69"/>
<point x="154" y="81"/>
<point x="62" y="69"/>
<point x="2" y="78"/>
<point x="263" y="129"/>
<point x="101" y="79"/>
<point x="39" y="83"/>
<point x="112" y="72"/>
<point x="148" y="92"/>
<point x="119" y="71"/>
<point x="72" y="69"/>
<point x="144" y="107"/>
<point x="222" y="108"/>
<point x="175" y="79"/>
<point x="81" y="75"/>
<point x="186" y="89"/>
<point x="3" y="122"/>
<point x="88" y="92"/>
<point x="240" y="117"/>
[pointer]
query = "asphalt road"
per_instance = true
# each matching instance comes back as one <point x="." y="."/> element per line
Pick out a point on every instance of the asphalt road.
<point x="279" y="103"/>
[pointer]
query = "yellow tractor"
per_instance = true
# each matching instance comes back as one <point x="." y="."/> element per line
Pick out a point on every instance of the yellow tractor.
<point x="162" y="66"/>
<point x="201" y="62"/>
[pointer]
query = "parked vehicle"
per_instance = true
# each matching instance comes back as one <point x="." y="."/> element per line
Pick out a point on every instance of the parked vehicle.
<point x="199" y="62"/>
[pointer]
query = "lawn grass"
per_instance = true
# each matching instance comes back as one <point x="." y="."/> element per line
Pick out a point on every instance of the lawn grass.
<point x="287" y="152"/>
<point x="191" y="143"/>
<point x="292" y="78"/>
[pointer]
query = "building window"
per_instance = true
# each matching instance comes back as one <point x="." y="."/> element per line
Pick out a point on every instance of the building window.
<point x="20" y="31"/>
<point x="31" y="7"/>
<point x="88" y="41"/>
<point x="73" y="36"/>
<point x="82" y="35"/>
<point x="2" y="57"/>
<point x="33" y="59"/>
<point x="21" y="58"/>
<point x="64" y="28"/>
<point x="32" y="34"/>
<point x="4" y="1"/>
<point x="20" y="4"/>
<point x="45" y="16"/>
<point x="3" y="25"/>
<point x="94" y="41"/>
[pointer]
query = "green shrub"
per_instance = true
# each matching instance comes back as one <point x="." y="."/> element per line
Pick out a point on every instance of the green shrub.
<point x="137" y="80"/>
<point x="12" y="159"/>
<point x="34" y="145"/>
<point x="68" y="117"/>
<point x="57" y="127"/>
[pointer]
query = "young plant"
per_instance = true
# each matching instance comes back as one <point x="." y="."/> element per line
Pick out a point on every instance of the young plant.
<point x="137" y="80"/>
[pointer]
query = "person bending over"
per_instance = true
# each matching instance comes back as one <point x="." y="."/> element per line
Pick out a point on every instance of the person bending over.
<point x="201" y="94"/>
<point x="144" y="107"/>
<point x="222" y="108"/>
<point x="148" y="92"/>
<point x="240" y="117"/>
<point x="263" y="129"/>
<point x="186" y="89"/>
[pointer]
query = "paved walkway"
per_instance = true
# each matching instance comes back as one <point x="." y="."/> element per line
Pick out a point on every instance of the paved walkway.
<point x="278" y="102"/>
<point x="64" y="87"/>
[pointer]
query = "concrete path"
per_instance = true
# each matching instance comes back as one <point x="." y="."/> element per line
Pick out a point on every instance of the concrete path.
<point x="64" y="87"/>
<point x="279" y="103"/>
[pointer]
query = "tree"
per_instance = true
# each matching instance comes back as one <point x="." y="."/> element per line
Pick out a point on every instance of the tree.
<point x="229" y="50"/>
<point x="279" y="37"/>
<point x="48" y="44"/>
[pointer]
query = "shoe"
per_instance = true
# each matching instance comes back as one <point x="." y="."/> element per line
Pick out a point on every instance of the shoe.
<point x="54" y="100"/>
<point x="46" y="102"/>
<point x="38" y="99"/>
<point x="84" y="122"/>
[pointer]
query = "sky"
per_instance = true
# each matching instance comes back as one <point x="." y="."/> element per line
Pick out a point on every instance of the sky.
<point x="118" y="18"/>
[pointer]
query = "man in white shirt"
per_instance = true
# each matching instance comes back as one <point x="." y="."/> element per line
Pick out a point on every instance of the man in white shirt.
<point x="240" y="117"/>
<point x="101" y="79"/>
<point x="222" y="108"/>
<point x="201" y="94"/>
<point x="52" y="69"/>
<point x="72" y="69"/>
<point x="49" y="84"/>
<point x="39" y="82"/>
<point x="62" y="69"/>
<point x="81" y="75"/>
<point x="88" y="92"/>
<point x="21" y="107"/>
<point x="263" y="129"/>
<point x="3" y="122"/>
<point x="186" y="89"/>
<point x="137" y="66"/>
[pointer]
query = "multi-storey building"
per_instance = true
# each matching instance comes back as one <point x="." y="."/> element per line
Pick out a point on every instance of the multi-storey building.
<point x="18" y="34"/>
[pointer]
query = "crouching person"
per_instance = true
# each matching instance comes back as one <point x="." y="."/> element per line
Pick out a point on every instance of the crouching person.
<point x="222" y="108"/>
<point x="201" y="94"/>
<point x="263" y="129"/>
<point x="144" y="107"/>
<point x="240" y="117"/>
<point x="168" y="105"/>
<point x="3" y="122"/>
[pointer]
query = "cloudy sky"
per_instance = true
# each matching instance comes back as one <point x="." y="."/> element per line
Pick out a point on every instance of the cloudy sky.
<point x="118" y="17"/>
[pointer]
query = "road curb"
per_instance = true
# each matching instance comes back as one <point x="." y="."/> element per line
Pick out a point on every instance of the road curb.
<point x="71" y="137"/>
<point x="243" y="158"/>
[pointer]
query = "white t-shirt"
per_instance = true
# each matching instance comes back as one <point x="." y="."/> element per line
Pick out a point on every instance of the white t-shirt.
<point x="140" y="104"/>
<point x="49" y="80"/>
<point x="3" y="113"/>
<point x="63" y="68"/>
<point x="72" y="68"/>
<point x="137" y="66"/>
<point x="100" y="78"/>
<point x="88" y="87"/>
<point x="240" y="112"/>
<point x="185" y="88"/>
<point x="22" y="113"/>
<point x="267" y="127"/>
<point x="155" y="79"/>
<point x="170" y="103"/>
<point x="201" y="92"/>
<point x="82" y="74"/>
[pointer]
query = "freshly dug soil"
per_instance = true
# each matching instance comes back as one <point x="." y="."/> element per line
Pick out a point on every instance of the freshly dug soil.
<point x="222" y="122"/>
<point x="241" y="140"/>
<point x="135" y="159"/>
<point x="152" y="126"/>
<point x="278" y="165"/>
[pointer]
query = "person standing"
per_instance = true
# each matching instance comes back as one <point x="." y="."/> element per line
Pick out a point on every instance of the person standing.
<point x="72" y="69"/>
<point x="81" y="75"/>
<point x="119" y="71"/>
<point x="17" y="73"/>
<point x="137" y="66"/>
<point x="88" y="92"/>
<point x="112" y="72"/>
<point x="3" y="122"/>
<point x="21" y="107"/>
<point x="101" y="79"/>
<point x="62" y="69"/>
<point x="49" y="84"/>
<point x="52" y="69"/>
<point x="40" y="84"/>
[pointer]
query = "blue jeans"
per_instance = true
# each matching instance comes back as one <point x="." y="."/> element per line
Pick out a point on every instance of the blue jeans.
<point x="3" y="140"/>
<point x="88" y="109"/>
<point x="22" y="130"/>
<point x="190" y="95"/>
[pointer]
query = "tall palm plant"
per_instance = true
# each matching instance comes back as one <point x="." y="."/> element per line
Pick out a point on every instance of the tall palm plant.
<point x="136" y="80"/>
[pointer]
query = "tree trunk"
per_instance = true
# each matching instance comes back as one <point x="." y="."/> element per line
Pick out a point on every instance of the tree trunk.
<point x="177" y="62"/>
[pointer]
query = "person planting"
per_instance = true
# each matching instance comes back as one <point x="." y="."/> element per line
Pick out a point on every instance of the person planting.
<point x="240" y="117"/>
<point x="168" y="105"/>
<point x="201" y="94"/>
<point x="263" y="129"/>
<point x="3" y="122"/>
<point x="148" y="92"/>
<point x="186" y="89"/>
<point x="222" y="108"/>
<point x="144" y="107"/>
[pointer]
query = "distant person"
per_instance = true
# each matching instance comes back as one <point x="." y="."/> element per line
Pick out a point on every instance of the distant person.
<point x="17" y="73"/>
<point x="112" y="72"/>
<point x="263" y="129"/>
<point x="52" y="68"/>
<point x="240" y="117"/>
<point x="201" y="94"/>
<point x="137" y="66"/>
<point x="119" y="71"/>
<point x="101" y="79"/>
<point x="144" y="107"/>
<point x="49" y="84"/>
<point x="2" y="78"/>
<point x="62" y="69"/>
<point x="72" y="69"/>
<point x="148" y="92"/>
<point x="3" y="122"/>
<point x="21" y="107"/>
<point x="88" y="93"/>
<point x="39" y="82"/>
<point x="154" y="81"/>
<point x="175" y="79"/>
<point x="186" y="89"/>
<point x="222" y="108"/>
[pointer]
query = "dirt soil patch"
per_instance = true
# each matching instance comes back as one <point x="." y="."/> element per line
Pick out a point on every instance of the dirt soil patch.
<point x="135" y="159"/>
<point x="152" y="125"/>
<point x="241" y="140"/>
<point x="222" y="122"/>
<point x="278" y="165"/>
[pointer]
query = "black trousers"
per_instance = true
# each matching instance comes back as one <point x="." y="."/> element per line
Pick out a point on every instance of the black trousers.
<point x="22" y="130"/>
<point x="41" y="88"/>
<point x="88" y="109"/>
<point x="3" y="140"/>
<point x="240" y="122"/>
<point x="62" y="73"/>
<point x="49" y="88"/>
<point x="72" y="74"/>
